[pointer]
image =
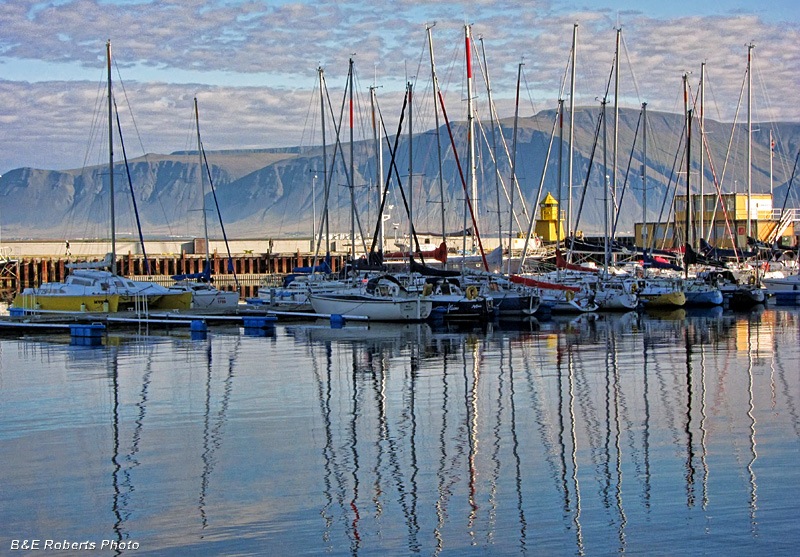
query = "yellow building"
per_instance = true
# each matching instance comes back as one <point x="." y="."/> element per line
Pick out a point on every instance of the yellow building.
<point x="550" y="225"/>
<point x="766" y="224"/>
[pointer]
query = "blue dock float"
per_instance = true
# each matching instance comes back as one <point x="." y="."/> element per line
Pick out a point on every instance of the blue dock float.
<point x="86" y="334"/>
<point x="259" y="322"/>
<point x="337" y="321"/>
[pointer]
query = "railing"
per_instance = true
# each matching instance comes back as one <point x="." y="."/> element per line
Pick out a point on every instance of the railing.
<point x="793" y="214"/>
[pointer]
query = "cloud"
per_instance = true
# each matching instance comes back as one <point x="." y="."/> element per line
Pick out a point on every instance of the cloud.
<point x="171" y="50"/>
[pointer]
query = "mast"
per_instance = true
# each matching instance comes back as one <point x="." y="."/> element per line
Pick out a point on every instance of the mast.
<point x="111" y="165"/>
<point x="494" y="150"/>
<point x="352" y="169"/>
<point x="438" y="138"/>
<point x="616" y="130"/>
<point x="606" y="186"/>
<point x="750" y="48"/>
<point x="410" y="175"/>
<point x="324" y="158"/>
<point x="202" y="177"/>
<point x="702" y="216"/>
<point x="688" y="189"/>
<point x="473" y="179"/>
<point x="571" y="127"/>
<point x="688" y="120"/>
<point x="771" y="155"/>
<point x="379" y="159"/>
<point x="560" y="155"/>
<point x="513" y="170"/>
<point x="644" y="175"/>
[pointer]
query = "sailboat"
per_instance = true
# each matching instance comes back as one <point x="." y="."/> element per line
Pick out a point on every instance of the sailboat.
<point x="90" y="288"/>
<point x="204" y="294"/>
<point x="380" y="298"/>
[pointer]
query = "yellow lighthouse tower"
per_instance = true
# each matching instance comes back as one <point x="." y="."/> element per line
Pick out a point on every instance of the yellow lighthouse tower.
<point x="549" y="227"/>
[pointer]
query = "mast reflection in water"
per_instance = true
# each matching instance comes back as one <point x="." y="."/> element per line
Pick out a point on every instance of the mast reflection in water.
<point x="638" y="433"/>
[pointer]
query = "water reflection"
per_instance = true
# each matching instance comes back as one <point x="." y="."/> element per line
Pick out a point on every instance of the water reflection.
<point x="568" y="436"/>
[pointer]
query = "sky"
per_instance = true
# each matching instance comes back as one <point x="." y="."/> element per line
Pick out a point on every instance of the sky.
<point x="253" y="65"/>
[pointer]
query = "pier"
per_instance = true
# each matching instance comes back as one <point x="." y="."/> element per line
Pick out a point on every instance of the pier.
<point x="249" y="270"/>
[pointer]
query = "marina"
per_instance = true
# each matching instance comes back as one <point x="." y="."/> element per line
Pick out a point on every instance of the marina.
<point x="424" y="326"/>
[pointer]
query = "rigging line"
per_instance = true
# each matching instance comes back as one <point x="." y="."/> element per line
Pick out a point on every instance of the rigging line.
<point x="728" y="152"/>
<point x="630" y="67"/>
<point x="666" y="192"/>
<point x="532" y="221"/>
<point x="363" y="146"/>
<point x="130" y="185"/>
<point x="130" y="109"/>
<point x="463" y="182"/>
<point x="353" y="77"/>
<point x="495" y="118"/>
<point x="231" y="267"/>
<point x="777" y="137"/>
<point x="99" y="98"/>
<point x="93" y="130"/>
<point x="311" y="113"/>
<point x="717" y="184"/>
<point x="625" y="181"/>
<point x="789" y="187"/>
<point x="586" y="182"/>
<point x="718" y="187"/>
<point x="393" y="166"/>
<point x="502" y="182"/>
<point x="329" y="178"/>
<point x="588" y="172"/>
<point x="141" y="146"/>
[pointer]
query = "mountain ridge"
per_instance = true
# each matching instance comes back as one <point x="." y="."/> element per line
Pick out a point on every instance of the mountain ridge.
<point x="268" y="192"/>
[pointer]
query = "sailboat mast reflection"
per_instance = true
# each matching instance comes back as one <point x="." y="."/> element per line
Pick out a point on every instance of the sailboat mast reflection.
<point x="119" y="499"/>
<point x="324" y="397"/>
<point x="471" y="401"/>
<point x="752" y="436"/>
<point x="444" y="481"/>
<point x="617" y="409"/>
<point x="523" y="526"/>
<point x="703" y="431"/>
<point x="566" y="383"/>
<point x="212" y="429"/>
<point x="690" y="472"/>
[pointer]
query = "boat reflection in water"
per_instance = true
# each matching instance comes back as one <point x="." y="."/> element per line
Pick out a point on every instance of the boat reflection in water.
<point x="589" y="434"/>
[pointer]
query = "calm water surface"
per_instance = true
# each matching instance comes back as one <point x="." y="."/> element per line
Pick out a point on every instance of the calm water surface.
<point x="665" y="434"/>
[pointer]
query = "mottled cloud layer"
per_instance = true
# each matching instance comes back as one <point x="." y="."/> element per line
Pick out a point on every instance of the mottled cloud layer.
<point x="253" y="65"/>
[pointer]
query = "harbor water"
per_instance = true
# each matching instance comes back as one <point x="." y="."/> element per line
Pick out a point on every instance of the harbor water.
<point x="663" y="434"/>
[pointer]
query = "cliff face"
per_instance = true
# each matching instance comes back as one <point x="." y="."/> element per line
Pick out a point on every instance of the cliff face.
<point x="264" y="193"/>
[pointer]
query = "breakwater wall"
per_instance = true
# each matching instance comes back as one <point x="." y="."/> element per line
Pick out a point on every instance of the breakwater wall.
<point x="248" y="271"/>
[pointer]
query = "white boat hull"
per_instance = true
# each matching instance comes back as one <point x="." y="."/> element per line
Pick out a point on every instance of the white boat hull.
<point x="374" y="308"/>
<point x="785" y="284"/>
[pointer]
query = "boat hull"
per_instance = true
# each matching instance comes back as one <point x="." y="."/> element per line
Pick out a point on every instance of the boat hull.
<point x="55" y="302"/>
<point x="744" y="297"/>
<point x="787" y="284"/>
<point x="462" y="309"/>
<point x="182" y="300"/>
<point x="510" y="303"/>
<point x="376" y="309"/>
<point x="663" y="300"/>
<point x="704" y="298"/>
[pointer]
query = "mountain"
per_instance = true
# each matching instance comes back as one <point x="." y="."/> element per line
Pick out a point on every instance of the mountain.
<point x="268" y="192"/>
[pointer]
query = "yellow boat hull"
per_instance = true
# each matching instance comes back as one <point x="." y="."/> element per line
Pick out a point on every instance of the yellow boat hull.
<point x="182" y="300"/>
<point x="95" y="303"/>
<point x="667" y="299"/>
